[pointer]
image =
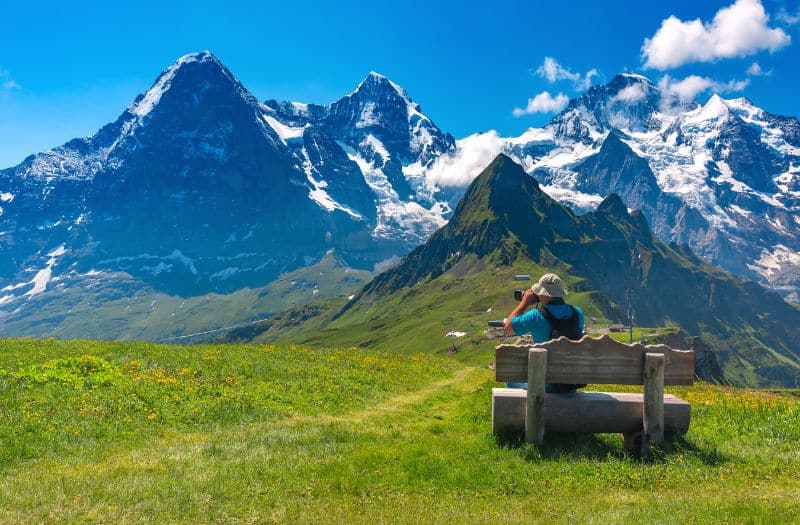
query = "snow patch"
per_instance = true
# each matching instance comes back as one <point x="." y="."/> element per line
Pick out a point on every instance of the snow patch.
<point x="368" y="116"/>
<point x="772" y="263"/>
<point x="318" y="194"/>
<point x="226" y="273"/>
<point x="377" y="146"/>
<point x="43" y="276"/>
<point x="176" y="255"/>
<point x="300" y="108"/>
<point x="285" y="132"/>
<point x="157" y="269"/>
<point x="455" y="334"/>
<point x="397" y="219"/>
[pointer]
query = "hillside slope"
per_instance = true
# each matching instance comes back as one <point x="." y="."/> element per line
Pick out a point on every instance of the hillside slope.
<point x="122" y="308"/>
<point x="505" y="223"/>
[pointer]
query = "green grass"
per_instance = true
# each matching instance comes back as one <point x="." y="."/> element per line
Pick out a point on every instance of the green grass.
<point x="644" y="334"/>
<point x="417" y="319"/>
<point x="259" y="434"/>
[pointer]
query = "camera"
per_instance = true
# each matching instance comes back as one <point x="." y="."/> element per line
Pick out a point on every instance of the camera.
<point x="519" y="293"/>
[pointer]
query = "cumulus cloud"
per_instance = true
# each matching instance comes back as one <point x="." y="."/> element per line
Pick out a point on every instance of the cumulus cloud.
<point x="6" y="82"/>
<point x="544" y="102"/>
<point x="630" y="94"/>
<point x="755" y="70"/>
<point x="472" y="155"/>
<point x="552" y="71"/>
<point x="687" y="89"/>
<point x="738" y="30"/>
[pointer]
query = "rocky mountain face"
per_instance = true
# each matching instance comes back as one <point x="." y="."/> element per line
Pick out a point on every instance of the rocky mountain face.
<point x="722" y="177"/>
<point x="199" y="187"/>
<point x="505" y="215"/>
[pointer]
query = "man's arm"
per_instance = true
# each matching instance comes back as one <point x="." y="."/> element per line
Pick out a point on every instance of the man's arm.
<point x="528" y="299"/>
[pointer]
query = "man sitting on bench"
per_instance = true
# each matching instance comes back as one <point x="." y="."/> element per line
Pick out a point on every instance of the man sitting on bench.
<point x="552" y="319"/>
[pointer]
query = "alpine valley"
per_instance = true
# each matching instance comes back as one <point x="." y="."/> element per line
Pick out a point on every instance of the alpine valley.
<point x="202" y="207"/>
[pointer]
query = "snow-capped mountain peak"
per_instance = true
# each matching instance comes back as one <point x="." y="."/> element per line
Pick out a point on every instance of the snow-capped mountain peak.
<point x="722" y="177"/>
<point x="376" y="84"/>
<point x="192" y="77"/>
<point x="716" y="108"/>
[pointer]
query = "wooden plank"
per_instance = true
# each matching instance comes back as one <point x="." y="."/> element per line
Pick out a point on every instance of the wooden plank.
<point x="653" y="415"/>
<point x="603" y="361"/>
<point x="584" y="412"/>
<point x="534" y="407"/>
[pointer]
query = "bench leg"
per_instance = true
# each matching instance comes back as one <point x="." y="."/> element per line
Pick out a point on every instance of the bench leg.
<point x="534" y="408"/>
<point x="636" y="444"/>
<point x="653" y="410"/>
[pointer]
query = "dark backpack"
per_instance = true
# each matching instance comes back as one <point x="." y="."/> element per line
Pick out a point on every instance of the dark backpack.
<point x="569" y="327"/>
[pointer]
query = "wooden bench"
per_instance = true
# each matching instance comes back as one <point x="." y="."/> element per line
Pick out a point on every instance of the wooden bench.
<point x="641" y="418"/>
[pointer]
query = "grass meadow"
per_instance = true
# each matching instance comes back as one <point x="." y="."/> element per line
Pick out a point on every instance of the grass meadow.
<point x="142" y="433"/>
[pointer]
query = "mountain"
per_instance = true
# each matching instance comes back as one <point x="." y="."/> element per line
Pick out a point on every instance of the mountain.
<point x="199" y="188"/>
<point x="722" y="177"/>
<point x="506" y="223"/>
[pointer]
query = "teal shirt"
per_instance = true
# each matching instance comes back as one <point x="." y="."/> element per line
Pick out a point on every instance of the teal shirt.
<point x="534" y="323"/>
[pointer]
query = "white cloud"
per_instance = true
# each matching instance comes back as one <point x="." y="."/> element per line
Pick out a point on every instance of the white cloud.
<point x="630" y="94"/>
<point x="586" y="83"/>
<point x="544" y="102"/>
<point x="553" y="72"/>
<point x="472" y="155"/>
<point x="755" y="70"/>
<point x="6" y="82"/>
<point x="788" y="18"/>
<point x="688" y="88"/>
<point x="736" y="31"/>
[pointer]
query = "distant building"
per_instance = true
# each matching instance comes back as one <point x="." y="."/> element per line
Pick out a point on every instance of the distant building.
<point x="616" y="328"/>
<point x="522" y="277"/>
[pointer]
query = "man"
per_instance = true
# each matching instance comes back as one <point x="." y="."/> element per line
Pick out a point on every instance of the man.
<point x="553" y="318"/>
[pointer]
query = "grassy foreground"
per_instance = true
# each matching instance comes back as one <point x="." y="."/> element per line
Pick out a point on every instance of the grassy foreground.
<point x="112" y="432"/>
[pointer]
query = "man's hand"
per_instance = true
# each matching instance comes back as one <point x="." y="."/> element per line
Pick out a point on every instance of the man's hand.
<point x="529" y="298"/>
<point x="507" y="326"/>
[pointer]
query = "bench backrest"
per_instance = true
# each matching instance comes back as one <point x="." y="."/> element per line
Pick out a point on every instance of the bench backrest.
<point x="599" y="361"/>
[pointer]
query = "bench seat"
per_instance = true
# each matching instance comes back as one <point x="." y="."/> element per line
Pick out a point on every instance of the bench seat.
<point x="584" y="412"/>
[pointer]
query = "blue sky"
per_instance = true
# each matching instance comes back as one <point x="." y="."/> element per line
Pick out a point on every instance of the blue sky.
<point x="68" y="68"/>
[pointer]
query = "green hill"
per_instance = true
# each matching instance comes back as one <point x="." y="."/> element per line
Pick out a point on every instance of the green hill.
<point x="123" y="308"/>
<point x="141" y="433"/>
<point x="506" y="225"/>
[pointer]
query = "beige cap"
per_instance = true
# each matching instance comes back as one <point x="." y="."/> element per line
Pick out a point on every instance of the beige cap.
<point x="549" y="285"/>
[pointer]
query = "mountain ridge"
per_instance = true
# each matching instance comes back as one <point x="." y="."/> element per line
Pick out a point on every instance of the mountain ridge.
<point x="505" y="220"/>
